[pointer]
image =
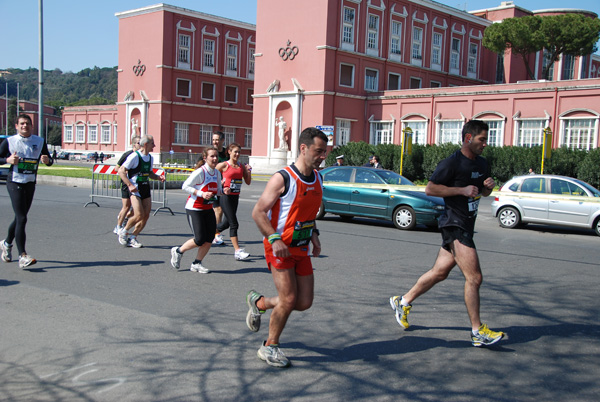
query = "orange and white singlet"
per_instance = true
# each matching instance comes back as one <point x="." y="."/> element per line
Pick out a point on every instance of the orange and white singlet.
<point x="202" y="180"/>
<point x="293" y="215"/>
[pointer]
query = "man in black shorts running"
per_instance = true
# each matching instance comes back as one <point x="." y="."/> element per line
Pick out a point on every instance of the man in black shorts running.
<point x="461" y="179"/>
<point x="126" y="211"/>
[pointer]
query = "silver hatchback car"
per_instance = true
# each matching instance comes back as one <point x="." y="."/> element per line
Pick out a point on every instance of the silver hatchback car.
<point x="547" y="199"/>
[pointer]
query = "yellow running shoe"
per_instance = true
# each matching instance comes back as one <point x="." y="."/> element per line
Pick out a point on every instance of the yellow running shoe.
<point x="486" y="336"/>
<point x="400" y="310"/>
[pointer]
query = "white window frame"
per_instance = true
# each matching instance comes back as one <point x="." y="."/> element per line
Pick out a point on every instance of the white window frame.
<point x="472" y="60"/>
<point x="567" y="71"/>
<point x="232" y="59"/>
<point x="381" y="132"/>
<point x="455" y="56"/>
<point x="343" y="128"/>
<point x="416" y="79"/>
<point x="347" y="34"/>
<point x="251" y="62"/>
<point x="208" y="56"/>
<point x="177" y="94"/>
<point x="184" y="52"/>
<point x="105" y="133"/>
<point x="182" y="133"/>
<point x="495" y="134"/>
<point x="545" y="63"/>
<point x="206" y="133"/>
<point x="115" y="134"/>
<point x="352" y="78"/>
<point x="569" y="132"/>
<point x="225" y="94"/>
<point x="419" y="129"/>
<point x="92" y="130"/>
<point x="416" y="54"/>
<point x="374" y="87"/>
<point x="68" y="134"/>
<point x="202" y="91"/>
<point x="449" y="131"/>
<point x="249" y="98"/>
<point x="437" y="40"/>
<point x="396" y="40"/>
<point x="372" y="39"/>
<point x="80" y="133"/>
<point x="524" y="136"/>
<point x="229" y="135"/>
<point x="248" y="138"/>
<point x="399" y="81"/>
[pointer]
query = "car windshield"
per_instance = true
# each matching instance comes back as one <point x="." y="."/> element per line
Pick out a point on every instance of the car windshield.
<point x="591" y="189"/>
<point x="393" y="178"/>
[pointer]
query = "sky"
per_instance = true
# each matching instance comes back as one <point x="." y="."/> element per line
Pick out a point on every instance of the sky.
<point x="84" y="33"/>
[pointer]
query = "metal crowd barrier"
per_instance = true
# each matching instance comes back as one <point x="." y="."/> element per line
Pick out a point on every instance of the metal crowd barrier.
<point x="107" y="184"/>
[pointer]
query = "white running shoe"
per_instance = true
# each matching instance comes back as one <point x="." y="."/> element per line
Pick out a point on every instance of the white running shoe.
<point x="134" y="243"/>
<point x="241" y="254"/>
<point x="116" y="229"/>
<point x="175" y="257"/>
<point x="6" y="251"/>
<point x="123" y="237"/>
<point x="199" y="268"/>
<point x="218" y="240"/>
<point x="26" y="260"/>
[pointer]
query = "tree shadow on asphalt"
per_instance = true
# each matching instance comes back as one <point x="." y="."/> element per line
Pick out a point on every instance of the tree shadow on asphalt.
<point x="370" y="351"/>
<point x="90" y="264"/>
<point x="4" y="282"/>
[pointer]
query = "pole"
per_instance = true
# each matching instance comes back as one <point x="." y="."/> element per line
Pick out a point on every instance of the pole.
<point x="17" y="103"/>
<point x="41" y="74"/>
<point x="7" y="109"/>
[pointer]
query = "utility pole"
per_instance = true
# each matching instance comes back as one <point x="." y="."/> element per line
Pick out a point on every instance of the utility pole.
<point x="41" y="74"/>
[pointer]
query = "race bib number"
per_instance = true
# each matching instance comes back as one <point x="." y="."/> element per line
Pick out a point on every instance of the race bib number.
<point x="27" y="166"/>
<point x="302" y="233"/>
<point x="142" y="177"/>
<point x="236" y="186"/>
<point x="473" y="204"/>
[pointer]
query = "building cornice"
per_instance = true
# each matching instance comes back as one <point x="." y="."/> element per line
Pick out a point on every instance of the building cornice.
<point x="452" y="11"/>
<point x="184" y="11"/>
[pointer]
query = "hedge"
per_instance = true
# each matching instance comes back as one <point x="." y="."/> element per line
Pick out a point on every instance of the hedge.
<point x="506" y="162"/>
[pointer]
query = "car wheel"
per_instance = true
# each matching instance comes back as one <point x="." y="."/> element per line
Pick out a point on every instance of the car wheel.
<point x="509" y="217"/>
<point x="597" y="226"/>
<point x="321" y="211"/>
<point x="404" y="218"/>
<point x="346" y="218"/>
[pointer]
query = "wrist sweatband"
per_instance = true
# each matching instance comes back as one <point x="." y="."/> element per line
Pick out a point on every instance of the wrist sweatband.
<point x="273" y="237"/>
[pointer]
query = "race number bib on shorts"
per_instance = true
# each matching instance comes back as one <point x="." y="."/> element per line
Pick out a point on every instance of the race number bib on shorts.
<point x="473" y="204"/>
<point x="302" y="233"/>
<point x="27" y="165"/>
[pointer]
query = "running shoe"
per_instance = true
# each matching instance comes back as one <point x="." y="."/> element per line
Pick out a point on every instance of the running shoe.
<point x="134" y="243"/>
<point x="6" y="251"/>
<point x="241" y="254"/>
<point x="26" y="261"/>
<point x="486" y="336"/>
<point x="273" y="356"/>
<point x="218" y="240"/>
<point x="197" y="267"/>
<point x="400" y="310"/>
<point x="116" y="229"/>
<point x="175" y="257"/>
<point x="253" y="316"/>
<point x="123" y="240"/>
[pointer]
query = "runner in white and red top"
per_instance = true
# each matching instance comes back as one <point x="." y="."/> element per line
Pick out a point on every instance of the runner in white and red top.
<point x="234" y="174"/>
<point x="203" y="185"/>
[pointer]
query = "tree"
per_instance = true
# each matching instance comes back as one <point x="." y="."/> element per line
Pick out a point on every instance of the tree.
<point x="573" y="34"/>
<point x="520" y="35"/>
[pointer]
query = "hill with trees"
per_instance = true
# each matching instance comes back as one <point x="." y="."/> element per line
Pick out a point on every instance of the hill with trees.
<point x="90" y="86"/>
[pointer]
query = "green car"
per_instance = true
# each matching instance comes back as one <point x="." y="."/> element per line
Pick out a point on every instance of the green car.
<point x="351" y="191"/>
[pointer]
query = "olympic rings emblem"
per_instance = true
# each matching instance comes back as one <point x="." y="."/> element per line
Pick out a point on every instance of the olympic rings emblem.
<point x="139" y="69"/>
<point x="289" y="52"/>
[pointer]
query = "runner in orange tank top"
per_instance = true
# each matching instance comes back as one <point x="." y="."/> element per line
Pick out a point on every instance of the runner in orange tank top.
<point x="285" y="215"/>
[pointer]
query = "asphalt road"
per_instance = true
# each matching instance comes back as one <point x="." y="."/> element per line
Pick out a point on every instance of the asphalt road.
<point x="94" y="321"/>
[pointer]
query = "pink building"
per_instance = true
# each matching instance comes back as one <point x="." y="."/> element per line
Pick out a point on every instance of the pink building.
<point x="368" y="69"/>
<point x="362" y="69"/>
<point x="182" y="75"/>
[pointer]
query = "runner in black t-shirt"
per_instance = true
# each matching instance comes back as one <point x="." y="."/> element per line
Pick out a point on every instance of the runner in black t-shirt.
<point x="461" y="179"/>
<point x="126" y="212"/>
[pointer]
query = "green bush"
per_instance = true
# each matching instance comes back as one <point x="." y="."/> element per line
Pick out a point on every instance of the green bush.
<point x="506" y="162"/>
